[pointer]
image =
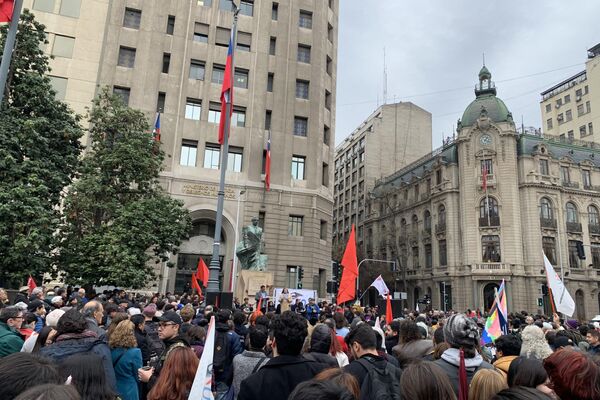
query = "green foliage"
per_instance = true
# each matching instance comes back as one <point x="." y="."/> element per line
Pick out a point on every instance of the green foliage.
<point x="39" y="150"/>
<point x="117" y="218"/>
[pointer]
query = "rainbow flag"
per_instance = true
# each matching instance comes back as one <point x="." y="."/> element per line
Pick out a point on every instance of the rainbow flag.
<point x="497" y="323"/>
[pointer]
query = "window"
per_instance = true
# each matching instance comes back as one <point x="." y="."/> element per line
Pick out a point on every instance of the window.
<point x="204" y="3"/>
<point x="443" y="250"/>
<point x="218" y="74"/>
<point x="197" y="70"/>
<point x="590" y="129"/>
<point x="416" y="191"/>
<point x="548" y="107"/>
<point x="572" y="216"/>
<point x="166" y="63"/>
<point x="595" y="247"/>
<point x="44" y="5"/>
<point x="569" y="115"/>
<point x="247" y="7"/>
<point x="305" y="20"/>
<point x="427" y="221"/>
<point x="200" y="33"/>
<point x="415" y="257"/>
<point x="544" y="170"/>
<point x="593" y="216"/>
<point x="323" y="230"/>
<point x="270" y="79"/>
<point x="302" y="89"/>
<point x="295" y="225"/>
<point x="292" y="277"/>
<point x="488" y="212"/>
<point x="564" y="174"/>
<point x="330" y="33"/>
<point x="70" y="8"/>
<point x="486" y="165"/>
<point x="573" y="258"/>
<point x="567" y="98"/>
<point x="559" y="102"/>
<point x="126" y="57"/>
<point x="300" y="126"/>
<point x="325" y="175"/>
<point x="261" y="219"/>
<point x="549" y="123"/>
<point x="546" y="211"/>
<point x="214" y="112"/>
<point x="189" y="150"/>
<point x="329" y="65"/>
<point x="438" y="177"/>
<point x="132" y="18"/>
<point x="586" y="178"/>
<point x="490" y="248"/>
<point x="160" y="102"/>
<point x="63" y="46"/>
<point x="272" y="46"/>
<point x="588" y="108"/>
<point x="578" y="93"/>
<point x="212" y="153"/>
<point x="268" y="114"/>
<point x="123" y="93"/>
<point x="238" y="117"/>
<point x="549" y="247"/>
<point x="442" y="215"/>
<point x="223" y="36"/>
<point x="226" y="5"/>
<point x="240" y="78"/>
<point x="298" y="167"/>
<point x="327" y="100"/>
<point x="580" y="111"/>
<point x="571" y="135"/>
<point x="304" y="53"/>
<point x="275" y="11"/>
<point x="60" y="86"/>
<point x="428" y="258"/>
<point x="560" y="118"/>
<point x="585" y="89"/>
<point x="244" y="41"/>
<point x="326" y="135"/>
<point x="193" y="108"/>
<point x="170" y="24"/>
<point x="234" y="159"/>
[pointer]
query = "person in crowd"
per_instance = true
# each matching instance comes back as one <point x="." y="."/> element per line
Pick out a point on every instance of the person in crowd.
<point x="37" y="293"/>
<point x="36" y="307"/>
<point x="423" y="380"/>
<point x="341" y="324"/>
<point x="262" y="294"/>
<point x="155" y="344"/>
<point x="285" y="299"/>
<point x="57" y="302"/>
<point x="486" y="383"/>
<point x="3" y="298"/>
<point x="21" y="371"/>
<point x="227" y="346"/>
<point x="93" y="311"/>
<point x="28" y="326"/>
<point x="340" y="378"/>
<point x="508" y="347"/>
<point x="177" y="376"/>
<point x="319" y="345"/>
<point x="53" y="317"/>
<point x="50" y="392"/>
<point x="312" y="311"/>
<point x="392" y="330"/>
<point x="462" y="335"/>
<point x="85" y="372"/>
<point x="126" y="359"/>
<point x="439" y="345"/>
<point x="114" y="322"/>
<point x="250" y="361"/>
<point x="381" y="350"/>
<point x="187" y="313"/>
<point x="11" y="319"/>
<point x="73" y="337"/>
<point x="44" y="338"/>
<point x="337" y="351"/>
<point x="281" y="374"/>
<point x="196" y="336"/>
<point x="593" y="338"/>
<point x="534" y="343"/>
<point x="520" y="393"/>
<point x="321" y="390"/>
<point x="239" y="323"/>
<point x="573" y="375"/>
<point x="529" y="372"/>
<point x="141" y="337"/>
<point x="411" y="344"/>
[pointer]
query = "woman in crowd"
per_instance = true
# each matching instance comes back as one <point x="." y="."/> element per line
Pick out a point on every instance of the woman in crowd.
<point x="411" y="344"/>
<point x="336" y="351"/>
<point x="120" y="316"/>
<point x="529" y="372"/>
<point x="485" y="384"/>
<point x="126" y="358"/>
<point x="84" y="371"/>
<point x="285" y="298"/>
<point x="196" y="336"/>
<point x="340" y="378"/>
<point x="423" y="380"/>
<point x="44" y="338"/>
<point x="141" y="337"/>
<point x="177" y="375"/>
<point x="50" y="392"/>
<point x="534" y="343"/>
<point x="573" y="375"/>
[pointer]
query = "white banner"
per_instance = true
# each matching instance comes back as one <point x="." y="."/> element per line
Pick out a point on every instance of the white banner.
<point x="562" y="299"/>
<point x="380" y="285"/>
<point x="202" y="386"/>
<point x="302" y="294"/>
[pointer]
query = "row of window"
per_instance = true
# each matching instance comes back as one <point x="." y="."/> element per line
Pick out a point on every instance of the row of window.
<point x="547" y="212"/>
<point x="565" y="174"/>
<point x="568" y="115"/>
<point x="67" y="8"/>
<point x="549" y="246"/>
<point x="567" y="99"/>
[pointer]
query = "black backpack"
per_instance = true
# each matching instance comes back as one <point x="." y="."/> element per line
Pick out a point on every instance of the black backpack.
<point x="221" y="357"/>
<point x="380" y="383"/>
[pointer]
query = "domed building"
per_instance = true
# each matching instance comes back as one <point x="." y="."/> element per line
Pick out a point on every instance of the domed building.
<point x="484" y="208"/>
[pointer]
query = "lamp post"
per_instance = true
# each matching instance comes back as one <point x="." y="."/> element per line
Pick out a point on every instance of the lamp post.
<point x="237" y="229"/>
<point x="372" y="260"/>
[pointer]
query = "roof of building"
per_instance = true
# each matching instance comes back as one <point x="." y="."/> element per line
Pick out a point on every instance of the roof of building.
<point x="576" y="150"/>
<point x="495" y="108"/>
<point x="577" y="75"/>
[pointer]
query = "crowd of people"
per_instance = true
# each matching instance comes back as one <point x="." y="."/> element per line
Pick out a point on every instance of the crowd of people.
<point x="70" y="344"/>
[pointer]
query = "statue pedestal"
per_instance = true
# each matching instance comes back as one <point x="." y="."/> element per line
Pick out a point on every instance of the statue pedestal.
<point x="249" y="283"/>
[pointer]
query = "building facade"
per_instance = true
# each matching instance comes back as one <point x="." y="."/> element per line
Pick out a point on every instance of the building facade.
<point x="572" y="107"/>
<point x="484" y="208"/>
<point x="169" y="57"/>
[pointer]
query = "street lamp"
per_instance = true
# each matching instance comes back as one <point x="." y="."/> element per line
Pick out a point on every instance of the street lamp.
<point x="237" y="228"/>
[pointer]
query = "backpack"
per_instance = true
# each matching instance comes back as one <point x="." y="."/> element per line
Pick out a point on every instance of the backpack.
<point x="221" y="358"/>
<point x="380" y="383"/>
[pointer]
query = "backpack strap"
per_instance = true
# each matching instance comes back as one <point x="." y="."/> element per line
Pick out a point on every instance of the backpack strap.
<point x="260" y="362"/>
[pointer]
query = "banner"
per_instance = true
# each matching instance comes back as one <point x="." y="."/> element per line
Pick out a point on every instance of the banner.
<point x="202" y="386"/>
<point x="302" y="294"/>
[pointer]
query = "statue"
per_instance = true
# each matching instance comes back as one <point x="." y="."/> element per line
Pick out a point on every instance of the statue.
<point x="250" y="248"/>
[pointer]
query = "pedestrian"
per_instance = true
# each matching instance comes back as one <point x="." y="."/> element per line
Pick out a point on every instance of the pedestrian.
<point x="508" y="347"/>
<point x="85" y="372"/>
<point x="114" y="322"/>
<point x="227" y="346"/>
<point x="44" y="338"/>
<point x="285" y="299"/>
<point x="250" y="361"/>
<point x="11" y="319"/>
<point x="520" y="393"/>
<point x="573" y="375"/>
<point x="529" y="372"/>
<point x="126" y="359"/>
<point x="319" y="345"/>
<point x="534" y="343"/>
<point x="3" y="298"/>
<point x="593" y="338"/>
<point x="22" y="371"/>
<point x="141" y="337"/>
<point x="187" y="313"/>
<point x="341" y="378"/>
<point x="411" y="343"/>
<point x="392" y="331"/>
<point x="282" y="373"/>
<point x="239" y="323"/>
<point x="312" y="311"/>
<point x="177" y="376"/>
<point x="50" y="392"/>
<point x="28" y="326"/>
<point x="93" y="311"/>
<point x="196" y="336"/>
<point x="423" y="380"/>
<point x="485" y="384"/>
<point x="36" y="307"/>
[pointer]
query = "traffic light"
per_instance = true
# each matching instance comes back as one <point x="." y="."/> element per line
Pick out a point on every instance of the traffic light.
<point x="580" y="250"/>
<point x="300" y="273"/>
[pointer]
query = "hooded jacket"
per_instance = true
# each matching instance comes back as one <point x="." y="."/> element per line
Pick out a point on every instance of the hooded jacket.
<point x="450" y="362"/>
<point x="320" y="343"/>
<point x="503" y="363"/>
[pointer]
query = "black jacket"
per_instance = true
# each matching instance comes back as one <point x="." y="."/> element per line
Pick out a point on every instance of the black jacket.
<point x="359" y="371"/>
<point x="170" y="344"/>
<point x="142" y="343"/>
<point x="278" y="378"/>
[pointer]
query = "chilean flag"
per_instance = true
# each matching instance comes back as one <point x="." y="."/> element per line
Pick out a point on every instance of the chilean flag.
<point x="6" y="10"/>
<point x="268" y="164"/>
<point x="156" y="130"/>
<point x="485" y="175"/>
<point x="226" y="90"/>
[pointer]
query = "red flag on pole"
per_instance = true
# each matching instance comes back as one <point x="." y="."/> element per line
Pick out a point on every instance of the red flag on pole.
<point x="31" y="284"/>
<point x="347" y="290"/>
<point x="388" y="310"/>
<point x="6" y="10"/>
<point x="226" y="90"/>
<point x="268" y="164"/>
<point x="195" y="283"/>
<point x="202" y="272"/>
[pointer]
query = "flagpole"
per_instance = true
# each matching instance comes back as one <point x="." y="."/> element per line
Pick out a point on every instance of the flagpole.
<point x="9" y="46"/>
<point x="213" y="275"/>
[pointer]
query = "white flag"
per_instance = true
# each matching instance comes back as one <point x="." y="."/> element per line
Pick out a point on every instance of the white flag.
<point x="562" y="299"/>
<point x="380" y="285"/>
<point x="202" y="386"/>
<point x="417" y="308"/>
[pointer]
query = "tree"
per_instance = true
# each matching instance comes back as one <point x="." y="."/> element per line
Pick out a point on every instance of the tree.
<point x="117" y="218"/>
<point x="39" y="150"/>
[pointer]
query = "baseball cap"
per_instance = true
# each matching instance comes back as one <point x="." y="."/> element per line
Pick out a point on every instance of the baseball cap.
<point x="171" y="316"/>
<point x="34" y="305"/>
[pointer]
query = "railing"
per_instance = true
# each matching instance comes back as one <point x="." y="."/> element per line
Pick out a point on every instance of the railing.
<point x="548" y="223"/>
<point x="440" y="228"/>
<point x="490" y="268"/>
<point x="574" y="227"/>
<point x="491" y="221"/>
<point x="574" y="185"/>
<point x="594" y="229"/>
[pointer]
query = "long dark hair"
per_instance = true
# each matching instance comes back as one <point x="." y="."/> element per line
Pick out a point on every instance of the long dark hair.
<point x="88" y="376"/>
<point x="41" y="339"/>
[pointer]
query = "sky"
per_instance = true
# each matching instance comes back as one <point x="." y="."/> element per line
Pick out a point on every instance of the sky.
<point x="434" y="51"/>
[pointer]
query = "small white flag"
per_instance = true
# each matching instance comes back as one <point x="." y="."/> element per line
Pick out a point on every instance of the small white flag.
<point x="380" y="285"/>
<point x="417" y="308"/>
<point x="202" y="386"/>
<point x="562" y="299"/>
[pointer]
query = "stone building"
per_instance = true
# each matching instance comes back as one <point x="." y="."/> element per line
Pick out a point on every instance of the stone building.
<point x="457" y="238"/>
<point x="169" y="57"/>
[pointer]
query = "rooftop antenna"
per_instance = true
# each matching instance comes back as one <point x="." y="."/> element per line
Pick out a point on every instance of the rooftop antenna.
<point x="522" y="125"/>
<point x="483" y="54"/>
<point x="384" y="79"/>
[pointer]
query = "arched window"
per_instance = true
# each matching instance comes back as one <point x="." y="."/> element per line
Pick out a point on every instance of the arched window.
<point x="488" y="212"/>
<point x="546" y="211"/>
<point x="442" y="215"/>
<point x="415" y="222"/>
<point x="427" y="220"/>
<point x="593" y="216"/>
<point x="572" y="216"/>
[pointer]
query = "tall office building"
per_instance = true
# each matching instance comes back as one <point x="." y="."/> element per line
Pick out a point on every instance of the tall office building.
<point x="169" y="57"/>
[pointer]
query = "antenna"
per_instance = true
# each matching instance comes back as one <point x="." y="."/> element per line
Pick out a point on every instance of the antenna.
<point x="483" y="54"/>
<point x="384" y="79"/>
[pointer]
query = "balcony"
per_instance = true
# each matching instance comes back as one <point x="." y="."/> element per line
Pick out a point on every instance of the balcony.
<point x="574" y="227"/>
<point x="548" y="223"/>
<point x="594" y="229"/>
<point x="572" y="185"/>
<point x="489" y="222"/>
<point x="490" y="269"/>
<point x="440" y="228"/>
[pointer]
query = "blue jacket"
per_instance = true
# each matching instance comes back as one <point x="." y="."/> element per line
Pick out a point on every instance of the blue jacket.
<point x="312" y="311"/>
<point x="39" y="323"/>
<point x="126" y="363"/>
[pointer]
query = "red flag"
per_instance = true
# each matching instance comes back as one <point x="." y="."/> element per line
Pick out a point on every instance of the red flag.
<point x="268" y="164"/>
<point x="347" y="289"/>
<point x="202" y="272"/>
<point x="31" y="284"/>
<point x="485" y="174"/>
<point x="226" y="90"/>
<point x="195" y="283"/>
<point x="6" y="10"/>
<point x="388" y="310"/>
<point x="156" y="130"/>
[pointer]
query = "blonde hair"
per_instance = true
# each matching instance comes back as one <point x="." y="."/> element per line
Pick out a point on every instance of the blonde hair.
<point x="485" y="384"/>
<point x="122" y="336"/>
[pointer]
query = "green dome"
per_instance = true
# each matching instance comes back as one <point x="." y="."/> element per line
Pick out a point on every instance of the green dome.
<point x="485" y="73"/>
<point x="495" y="108"/>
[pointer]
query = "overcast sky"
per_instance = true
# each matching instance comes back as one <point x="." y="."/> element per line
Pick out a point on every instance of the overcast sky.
<point x="434" y="52"/>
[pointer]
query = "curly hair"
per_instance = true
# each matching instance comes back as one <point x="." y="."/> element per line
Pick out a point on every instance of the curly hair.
<point x="408" y="332"/>
<point x="123" y="336"/>
<point x="290" y="331"/>
<point x="534" y="343"/>
<point x="120" y="316"/>
<point x="71" y="322"/>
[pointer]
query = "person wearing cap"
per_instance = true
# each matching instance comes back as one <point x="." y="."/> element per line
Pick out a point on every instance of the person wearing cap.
<point x="3" y="298"/>
<point x="37" y="308"/>
<point x="168" y="331"/>
<point x="11" y="319"/>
